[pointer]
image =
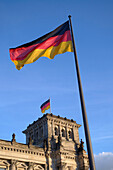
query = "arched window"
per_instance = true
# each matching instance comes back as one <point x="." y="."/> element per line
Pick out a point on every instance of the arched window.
<point x="37" y="167"/>
<point x="41" y="131"/>
<point x="4" y="164"/>
<point x="56" y="131"/>
<point x="32" y="136"/>
<point x="63" y="133"/>
<point x="21" y="166"/>
<point x="37" y="135"/>
<point x="70" y="134"/>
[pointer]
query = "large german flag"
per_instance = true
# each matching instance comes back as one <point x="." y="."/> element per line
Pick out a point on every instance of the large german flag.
<point x="56" y="42"/>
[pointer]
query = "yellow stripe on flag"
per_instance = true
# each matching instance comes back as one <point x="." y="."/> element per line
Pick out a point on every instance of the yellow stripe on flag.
<point x="49" y="53"/>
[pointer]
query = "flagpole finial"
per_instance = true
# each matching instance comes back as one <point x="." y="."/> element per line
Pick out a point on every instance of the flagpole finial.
<point x="69" y="16"/>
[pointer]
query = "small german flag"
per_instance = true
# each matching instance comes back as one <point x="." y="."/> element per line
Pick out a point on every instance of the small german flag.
<point x="56" y="42"/>
<point x="45" y="106"/>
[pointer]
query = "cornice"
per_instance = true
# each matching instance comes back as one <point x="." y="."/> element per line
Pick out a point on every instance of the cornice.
<point x="54" y="118"/>
<point x="20" y="148"/>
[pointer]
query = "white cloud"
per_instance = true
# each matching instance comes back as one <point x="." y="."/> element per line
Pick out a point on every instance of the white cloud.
<point x="103" y="137"/>
<point x="104" y="161"/>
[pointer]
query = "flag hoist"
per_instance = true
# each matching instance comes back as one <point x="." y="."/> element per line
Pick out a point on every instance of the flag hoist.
<point x="58" y="41"/>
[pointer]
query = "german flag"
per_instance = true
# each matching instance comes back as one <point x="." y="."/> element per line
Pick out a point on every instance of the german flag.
<point x="45" y="106"/>
<point x="56" y="42"/>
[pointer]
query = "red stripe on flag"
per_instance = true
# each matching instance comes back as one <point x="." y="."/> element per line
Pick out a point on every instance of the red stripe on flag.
<point x="21" y="53"/>
<point x="46" y="105"/>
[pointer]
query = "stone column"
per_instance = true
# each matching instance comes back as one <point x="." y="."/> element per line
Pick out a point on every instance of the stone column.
<point x="13" y="165"/>
<point x="7" y="167"/>
<point x="33" y="136"/>
<point x="43" y="129"/>
<point x="60" y="129"/>
<point x="63" y="166"/>
<point x="48" y="161"/>
<point x="73" y="133"/>
<point x="30" y="166"/>
<point x="70" y="168"/>
<point x="67" y="133"/>
<point x="77" y="135"/>
<point x="49" y="129"/>
<point x="27" y="138"/>
<point x="45" y="166"/>
<point x="53" y="132"/>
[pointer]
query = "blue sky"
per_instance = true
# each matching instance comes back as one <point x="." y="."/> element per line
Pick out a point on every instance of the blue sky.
<point x="22" y="92"/>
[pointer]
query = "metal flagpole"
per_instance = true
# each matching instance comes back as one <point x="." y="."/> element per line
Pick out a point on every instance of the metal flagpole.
<point x="85" y="121"/>
<point x="50" y="105"/>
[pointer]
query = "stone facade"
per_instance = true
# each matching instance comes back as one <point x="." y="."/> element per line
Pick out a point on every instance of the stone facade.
<point x="52" y="143"/>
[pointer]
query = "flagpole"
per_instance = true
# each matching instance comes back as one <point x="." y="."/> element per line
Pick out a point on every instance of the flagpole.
<point x="50" y="105"/>
<point x="85" y="121"/>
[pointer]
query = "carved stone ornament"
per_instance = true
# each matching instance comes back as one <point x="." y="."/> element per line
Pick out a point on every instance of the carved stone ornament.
<point x="13" y="137"/>
<point x="63" y="165"/>
<point x="13" y="162"/>
<point x="82" y="144"/>
<point x="81" y="148"/>
<point x="30" y="141"/>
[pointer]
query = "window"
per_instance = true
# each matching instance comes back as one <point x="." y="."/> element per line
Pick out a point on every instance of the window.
<point x="41" y="131"/>
<point x="21" y="166"/>
<point x="37" y="135"/>
<point x="70" y="134"/>
<point x="4" y="164"/>
<point x="56" y="131"/>
<point x="63" y="133"/>
<point x="31" y="135"/>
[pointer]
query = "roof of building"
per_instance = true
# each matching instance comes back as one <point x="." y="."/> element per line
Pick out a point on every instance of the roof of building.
<point x="52" y="116"/>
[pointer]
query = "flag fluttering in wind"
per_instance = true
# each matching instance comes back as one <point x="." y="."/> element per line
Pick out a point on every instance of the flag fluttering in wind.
<point x="56" y="42"/>
<point x="45" y="106"/>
